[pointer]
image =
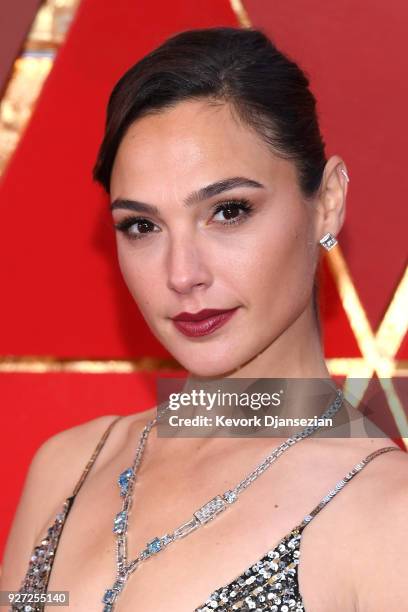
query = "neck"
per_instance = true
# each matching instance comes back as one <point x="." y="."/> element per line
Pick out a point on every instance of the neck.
<point x="291" y="368"/>
<point x="295" y="353"/>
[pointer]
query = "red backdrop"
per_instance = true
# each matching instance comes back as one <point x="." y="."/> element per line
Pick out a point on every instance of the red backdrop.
<point x="62" y="290"/>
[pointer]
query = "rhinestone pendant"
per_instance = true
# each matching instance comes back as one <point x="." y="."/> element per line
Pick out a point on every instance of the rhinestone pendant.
<point x="123" y="481"/>
<point x="110" y="595"/>
<point x="211" y="509"/>
<point x="155" y="546"/>
<point x="119" y="523"/>
<point x="230" y="496"/>
<point x="108" y="599"/>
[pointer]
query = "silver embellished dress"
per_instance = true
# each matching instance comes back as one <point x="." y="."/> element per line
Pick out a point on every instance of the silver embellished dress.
<point x="269" y="584"/>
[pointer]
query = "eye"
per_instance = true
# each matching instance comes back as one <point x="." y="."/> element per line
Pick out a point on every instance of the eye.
<point x="134" y="227"/>
<point x="232" y="209"/>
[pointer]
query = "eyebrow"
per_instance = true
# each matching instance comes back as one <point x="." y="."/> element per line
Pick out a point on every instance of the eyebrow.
<point x="194" y="197"/>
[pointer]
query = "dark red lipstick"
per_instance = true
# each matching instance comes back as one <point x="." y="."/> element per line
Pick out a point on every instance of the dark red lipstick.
<point x="203" y="322"/>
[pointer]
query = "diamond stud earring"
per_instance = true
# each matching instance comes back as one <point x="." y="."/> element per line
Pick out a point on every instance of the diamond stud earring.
<point x="328" y="241"/>
<point x="343" y="171"/>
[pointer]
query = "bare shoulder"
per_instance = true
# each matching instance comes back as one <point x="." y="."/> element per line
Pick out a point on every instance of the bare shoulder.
<point x="52" y="474"/>
<point x="383" y="539"/>
<point x="65" y="455"/>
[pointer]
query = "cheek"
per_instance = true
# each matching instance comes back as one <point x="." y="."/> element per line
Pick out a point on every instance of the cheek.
<point x="137" y="277"/>
<point x="279" y="270"/>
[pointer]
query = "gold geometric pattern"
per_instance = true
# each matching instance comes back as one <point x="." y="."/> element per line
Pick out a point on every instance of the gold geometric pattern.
<point x="30" y="71"/>
<point x="378" y="349"/>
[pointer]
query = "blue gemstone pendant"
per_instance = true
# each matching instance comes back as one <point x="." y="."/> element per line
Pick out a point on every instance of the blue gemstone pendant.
<point x="123" y="481"/>
<point x="154" y="546"/>
<point x="110" y="595"/>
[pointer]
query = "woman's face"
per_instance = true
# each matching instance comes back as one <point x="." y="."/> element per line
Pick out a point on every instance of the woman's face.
<point x="251" y="247"/>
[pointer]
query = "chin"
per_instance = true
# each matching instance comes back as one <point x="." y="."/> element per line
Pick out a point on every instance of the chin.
<point x="207" y="365"/>
<point x="217" y="358"/>
<point x="207" y="371"/>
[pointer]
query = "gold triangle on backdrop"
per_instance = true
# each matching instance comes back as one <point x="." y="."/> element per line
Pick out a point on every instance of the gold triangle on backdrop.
<point x="378" y="350"/>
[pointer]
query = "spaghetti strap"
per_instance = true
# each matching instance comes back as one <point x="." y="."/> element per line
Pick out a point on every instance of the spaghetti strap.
<point x="41" y="561"/>
<point x="96" y="452"/>
<point x="341" y="483"/>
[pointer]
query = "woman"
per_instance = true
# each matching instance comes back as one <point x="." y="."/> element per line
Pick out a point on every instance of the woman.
<point x="220" y="194"/>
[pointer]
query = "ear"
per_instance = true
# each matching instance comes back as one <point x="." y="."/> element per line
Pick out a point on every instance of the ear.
<point x="331" y="199"/>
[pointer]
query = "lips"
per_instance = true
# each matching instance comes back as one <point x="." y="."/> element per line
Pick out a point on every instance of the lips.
<point x="202" y="323"/>
<point x="199" y="316"/>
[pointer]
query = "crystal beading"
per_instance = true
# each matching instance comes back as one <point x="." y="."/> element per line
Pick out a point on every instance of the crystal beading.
<point x="210" y="509"/>
<point x="202" y="516"/>
<point x="124" y="480"/>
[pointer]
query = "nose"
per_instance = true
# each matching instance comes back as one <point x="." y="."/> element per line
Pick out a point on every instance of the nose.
<point x="187" y="266"/>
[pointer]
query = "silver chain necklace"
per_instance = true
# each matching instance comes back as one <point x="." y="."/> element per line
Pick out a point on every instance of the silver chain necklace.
<point x="202" y="516"/>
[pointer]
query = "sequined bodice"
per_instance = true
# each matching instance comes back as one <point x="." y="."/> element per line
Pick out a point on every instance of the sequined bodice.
<point x="269" y="584"/>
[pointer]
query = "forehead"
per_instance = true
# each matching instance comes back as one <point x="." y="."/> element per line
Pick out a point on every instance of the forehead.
<point x="190" y="144"/>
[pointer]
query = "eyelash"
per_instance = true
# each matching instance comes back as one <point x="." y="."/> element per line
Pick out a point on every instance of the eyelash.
<point x="242" y="204"/>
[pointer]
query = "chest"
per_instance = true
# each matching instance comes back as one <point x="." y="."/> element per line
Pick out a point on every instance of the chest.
<point x="188" y="571"/>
